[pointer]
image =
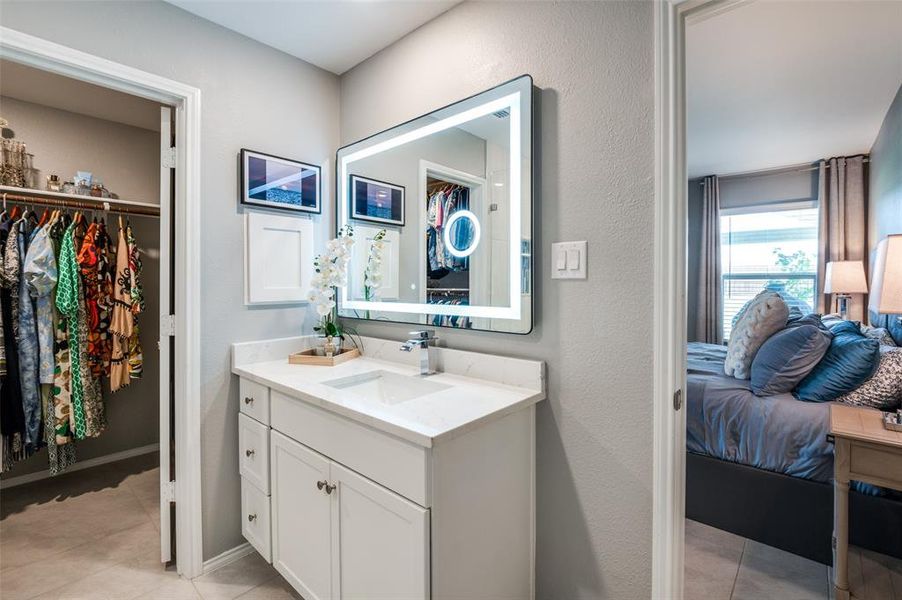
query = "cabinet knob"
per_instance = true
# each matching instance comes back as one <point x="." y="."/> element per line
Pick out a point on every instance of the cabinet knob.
<point x="320" y="485"/>
<point x="252" y="517"/>
<point x="329" y="488"/>
<point x="249" y="453"/>
<point x="248" y="400"/>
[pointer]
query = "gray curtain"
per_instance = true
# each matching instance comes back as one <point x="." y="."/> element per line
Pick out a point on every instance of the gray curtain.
<point x="709" y="316"/>
<point x="842" y="203"/>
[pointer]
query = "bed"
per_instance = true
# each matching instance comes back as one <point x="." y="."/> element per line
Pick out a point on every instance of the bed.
<point x="763" y="467"/>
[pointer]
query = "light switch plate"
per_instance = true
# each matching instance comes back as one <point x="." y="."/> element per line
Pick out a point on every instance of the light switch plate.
<point x="568" y="260"/>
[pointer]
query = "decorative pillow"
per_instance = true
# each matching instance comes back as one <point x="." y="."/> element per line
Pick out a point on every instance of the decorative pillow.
<point x="884" y="389"/>
<point x="789" y="355"/>
<point x="765" y="315"/>
<point x="849" y="362"/>
<point x="878" y="333"/>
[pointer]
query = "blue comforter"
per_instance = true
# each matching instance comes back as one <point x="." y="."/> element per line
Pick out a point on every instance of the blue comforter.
<point x="727" y="421"/>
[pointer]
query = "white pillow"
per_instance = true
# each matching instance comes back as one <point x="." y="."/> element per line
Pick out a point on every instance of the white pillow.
<point x="764" y="316"/>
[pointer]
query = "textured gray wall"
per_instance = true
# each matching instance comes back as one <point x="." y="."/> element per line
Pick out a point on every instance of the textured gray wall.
<point x="253" y="97"/>
<point x="127" y="160"/>
<point x="885" y="180"/>
<point x="595" y="181"/>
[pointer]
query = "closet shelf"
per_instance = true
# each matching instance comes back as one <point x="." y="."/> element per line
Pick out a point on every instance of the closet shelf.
<point x="47" y="198"/>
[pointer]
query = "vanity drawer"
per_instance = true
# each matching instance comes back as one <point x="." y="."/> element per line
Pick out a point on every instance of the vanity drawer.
<point x="253" y="400"/>
<point x="397" y="464"/>
<point x="255" y="519"/>
<point x="253" y="452"/>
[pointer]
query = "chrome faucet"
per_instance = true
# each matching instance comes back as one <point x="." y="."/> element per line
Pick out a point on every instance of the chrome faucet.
<point x="420" y="339"/>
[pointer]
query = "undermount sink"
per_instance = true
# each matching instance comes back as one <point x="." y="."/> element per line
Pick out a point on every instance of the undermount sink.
<point x="387" y="387"/>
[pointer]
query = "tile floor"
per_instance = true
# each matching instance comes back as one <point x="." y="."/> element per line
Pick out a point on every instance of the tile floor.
<point x="94" y="534"/>
<point x="724" y="566"/>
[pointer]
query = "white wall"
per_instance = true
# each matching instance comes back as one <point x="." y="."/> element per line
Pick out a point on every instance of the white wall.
<point x="254" y="97"/>
<point x="127" y="160"/>
<point x="593" y="63"/>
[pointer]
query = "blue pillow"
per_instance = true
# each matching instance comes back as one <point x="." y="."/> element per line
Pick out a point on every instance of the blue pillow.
<point x="789" y="355"/>
<point x="851" y="359"/>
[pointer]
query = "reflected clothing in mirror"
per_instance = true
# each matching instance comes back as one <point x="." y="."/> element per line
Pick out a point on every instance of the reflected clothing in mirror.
<point x="439" y="208"/>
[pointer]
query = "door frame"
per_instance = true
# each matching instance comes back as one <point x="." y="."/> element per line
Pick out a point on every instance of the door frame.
<point x="671" y="180"/>
<point x="62" y="60"/>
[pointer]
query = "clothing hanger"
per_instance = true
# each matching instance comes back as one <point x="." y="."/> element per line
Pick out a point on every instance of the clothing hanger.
<point x="45" y="218"/>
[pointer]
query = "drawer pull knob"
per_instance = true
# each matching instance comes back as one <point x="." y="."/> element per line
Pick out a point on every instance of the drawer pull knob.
<point x="320" y="485"/>
<point x="329" y="488"/>
<point x="252" y="517"/>
<point x="248" y="400"/>
<point x="248" y="453"/>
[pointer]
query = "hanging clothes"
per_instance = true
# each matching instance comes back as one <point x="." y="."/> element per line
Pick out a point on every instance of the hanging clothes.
<point x="440" y="206"/>
<point x="128" y="302"/>
<point x="61" y="393"/>
<point x="40" y="274"/>
<point x="93" y="261"/>
<point x="12" y="416"/>
<point x="67" y="302"/>
<point x="27" y="339"/>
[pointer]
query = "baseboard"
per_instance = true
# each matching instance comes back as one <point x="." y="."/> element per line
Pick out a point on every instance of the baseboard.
<point x="83" y="464"/>
<point x="227" y="557"/>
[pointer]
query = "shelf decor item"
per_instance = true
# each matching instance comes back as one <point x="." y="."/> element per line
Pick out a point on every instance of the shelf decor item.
<point x="376" y="201"/>
<point x="280" y="183"/>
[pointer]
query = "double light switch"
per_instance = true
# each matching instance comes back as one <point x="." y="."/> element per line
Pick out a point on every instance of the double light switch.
<point x="568" y="260"/>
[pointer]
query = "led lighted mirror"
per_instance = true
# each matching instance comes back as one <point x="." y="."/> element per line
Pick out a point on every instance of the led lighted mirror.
<point x="441" y="208"/>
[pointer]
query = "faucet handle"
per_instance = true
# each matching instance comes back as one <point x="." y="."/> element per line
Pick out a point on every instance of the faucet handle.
<point x="424" y="334"/>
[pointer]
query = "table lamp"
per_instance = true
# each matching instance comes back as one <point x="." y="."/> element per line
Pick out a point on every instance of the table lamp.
<point x="886" y="284"/>
<point x="843" y="278"/>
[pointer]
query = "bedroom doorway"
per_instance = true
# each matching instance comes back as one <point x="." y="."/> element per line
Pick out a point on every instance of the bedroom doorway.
<point x="752" y="153"/>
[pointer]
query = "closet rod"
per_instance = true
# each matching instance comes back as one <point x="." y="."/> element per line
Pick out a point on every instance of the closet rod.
<point x="85" y="203"/>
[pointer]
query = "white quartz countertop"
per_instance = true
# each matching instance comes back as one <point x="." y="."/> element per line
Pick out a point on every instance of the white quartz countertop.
<point x="425" y="420"/>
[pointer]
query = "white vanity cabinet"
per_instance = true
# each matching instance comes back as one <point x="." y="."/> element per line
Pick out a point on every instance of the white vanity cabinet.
<point x="337" y="534"/>
<point x="355" y="511"/>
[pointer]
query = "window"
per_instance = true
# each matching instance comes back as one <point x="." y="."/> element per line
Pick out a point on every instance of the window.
<point x="771" y="249"/>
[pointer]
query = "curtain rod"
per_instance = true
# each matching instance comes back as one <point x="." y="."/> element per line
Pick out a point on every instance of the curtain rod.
<point x="25" y="196"/>
<point x="802" y="168"/>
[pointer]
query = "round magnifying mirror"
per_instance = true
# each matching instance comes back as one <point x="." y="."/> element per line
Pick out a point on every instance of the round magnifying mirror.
<point x="461" y="233"/>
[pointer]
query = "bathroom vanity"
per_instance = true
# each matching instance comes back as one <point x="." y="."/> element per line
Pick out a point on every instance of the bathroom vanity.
<point x="367" y="480"/>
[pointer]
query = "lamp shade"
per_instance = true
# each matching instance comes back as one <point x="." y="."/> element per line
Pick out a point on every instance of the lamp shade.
<point x="886" y="285"/>
<point x="845" y="277"/>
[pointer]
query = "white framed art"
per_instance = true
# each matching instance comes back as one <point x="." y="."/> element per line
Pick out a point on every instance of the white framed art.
<point x="278" y="253"/>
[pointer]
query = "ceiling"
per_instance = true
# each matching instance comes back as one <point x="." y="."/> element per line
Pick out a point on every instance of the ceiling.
<point x="773" y="84"/>
<point x="335" y="35"/>
<point x="42" y="87"/>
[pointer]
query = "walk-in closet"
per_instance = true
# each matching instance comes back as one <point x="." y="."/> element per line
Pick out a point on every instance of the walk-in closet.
<point x="80" y="285"/>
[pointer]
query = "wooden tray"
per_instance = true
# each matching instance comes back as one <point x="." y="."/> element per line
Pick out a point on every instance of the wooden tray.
<point x="309" y="357"/>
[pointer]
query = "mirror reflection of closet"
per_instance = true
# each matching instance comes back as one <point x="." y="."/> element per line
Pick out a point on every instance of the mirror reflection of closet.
<point x="453" y="201"/>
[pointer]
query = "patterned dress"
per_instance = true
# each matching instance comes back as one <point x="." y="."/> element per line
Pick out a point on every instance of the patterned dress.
<point x="68" y="294"/>
<point x="128" y="302"/>
<point x="61" y="393"/>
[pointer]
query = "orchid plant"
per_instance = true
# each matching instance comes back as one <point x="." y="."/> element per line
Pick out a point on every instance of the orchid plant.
<point x="372" y="276"/>
<point x="331" y="273"/>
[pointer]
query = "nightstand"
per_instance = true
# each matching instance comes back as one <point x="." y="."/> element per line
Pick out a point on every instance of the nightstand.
<point x="864" y="451"/>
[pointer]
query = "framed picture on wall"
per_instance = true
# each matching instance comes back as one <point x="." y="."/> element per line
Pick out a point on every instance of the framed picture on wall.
<point x="377" y="201"/>
<point x="276" y="182"/>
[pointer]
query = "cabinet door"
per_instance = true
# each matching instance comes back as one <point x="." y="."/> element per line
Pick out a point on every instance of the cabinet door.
<point x="381" y="541"/>
<point x="301" y="518"/>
